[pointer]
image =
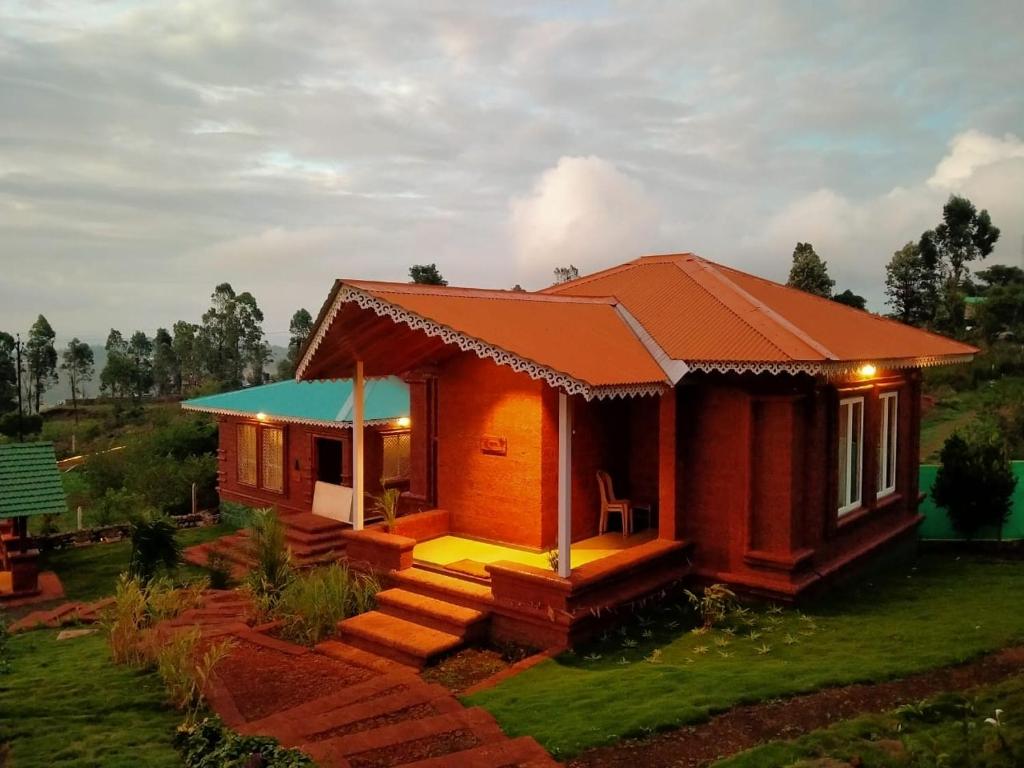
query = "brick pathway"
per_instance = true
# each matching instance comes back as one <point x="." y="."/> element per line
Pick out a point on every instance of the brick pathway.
<point x="345" y="707"/>
<point x="67" y="613"/>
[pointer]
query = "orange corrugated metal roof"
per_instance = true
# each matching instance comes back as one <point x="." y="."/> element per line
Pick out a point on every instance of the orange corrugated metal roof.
<point x="699" y="311"/>
<point x="583" y="337"/>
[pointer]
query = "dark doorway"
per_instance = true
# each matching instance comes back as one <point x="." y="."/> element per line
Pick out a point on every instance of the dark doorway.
<point x="328" y="460"/>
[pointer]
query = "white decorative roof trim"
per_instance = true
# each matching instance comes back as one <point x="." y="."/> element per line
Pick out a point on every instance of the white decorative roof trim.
<point x="480" y="348"/>
<point x="823" y="368"/>
<point x="272" y="417"/>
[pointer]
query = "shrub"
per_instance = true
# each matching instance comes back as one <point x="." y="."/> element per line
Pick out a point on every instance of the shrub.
<point x="165" y="601"/>
<point x="318" y="599"/>
<point x="208" y="744"/>
<point x="219" y="570"/>
<point x="236" y="515"/>
<point x="386" y="502"/>
<point x="115" y="506"/>
<point x="31" y="424"/>
<point x="272" y="562"/>
<point x="975" y="484"/>
<point x="717" y="602"/>
<point x="185" y="666"/>
<point x="125" y="622"/>
<point x="154" y="543"/>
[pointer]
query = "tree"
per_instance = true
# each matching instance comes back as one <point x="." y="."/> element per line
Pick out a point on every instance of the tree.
<point x="41" y="358"/>
<point x="850" y="299"/>
<point x="999" y="275"/>
<point x="8" y="374"/>
<point x="166" y="373"/>
<point x="298" y="329"/>
<point x="1002" y="310"/>
<point x="77" y="362"/>
<point x="184" y="345"/>
<point x="809" y="273"/>
<point x="254" y="351"/>
<point x="426" y="274"/>
<point x="140" y="355"/>
<point x="975" y="484"/>
<point x="116" y="376"/>
<point x="907" y="286"/>
<point x="965" y="235"/>
<point x="565" y="274"/>
<point x="231" y="340"/>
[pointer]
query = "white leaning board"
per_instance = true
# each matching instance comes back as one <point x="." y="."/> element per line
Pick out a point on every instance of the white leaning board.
<point x="333" y="501"/>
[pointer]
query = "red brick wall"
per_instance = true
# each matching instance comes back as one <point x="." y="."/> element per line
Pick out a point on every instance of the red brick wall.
<point x="491" y="497"/>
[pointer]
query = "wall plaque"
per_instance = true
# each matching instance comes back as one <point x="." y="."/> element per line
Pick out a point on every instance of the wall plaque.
<point x="493" y="445"/>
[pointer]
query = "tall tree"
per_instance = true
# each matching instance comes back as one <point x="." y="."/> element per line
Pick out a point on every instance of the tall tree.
<point x="140" y="353"/>
<point x="565" y="274"/>
<point x="41" y="358"/>
<point x="116" y="376"/>
<point x="185" y="346"/>
<point x="908" y="286"/>
<point x="427" y="274"/>
<point x="809" y="273"/>
<point x="298" y="331"/>
<point x="231" y="340"/>
<point x="166" y="370"/>
<point x="77" y="361"/>
<point x="8" y="374"/>
<point x="850" y="299"/>
<point x="253" y="351"/>
<point x="999" y="275"/>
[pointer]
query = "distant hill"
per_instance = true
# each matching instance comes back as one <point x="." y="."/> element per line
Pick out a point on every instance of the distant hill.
<point x="62" y="390"/>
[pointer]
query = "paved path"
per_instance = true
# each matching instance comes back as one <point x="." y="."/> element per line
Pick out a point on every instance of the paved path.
<point x="345" y="707"/>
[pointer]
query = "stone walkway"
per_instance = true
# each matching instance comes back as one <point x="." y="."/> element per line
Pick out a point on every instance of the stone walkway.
<point x="345" y="707"/>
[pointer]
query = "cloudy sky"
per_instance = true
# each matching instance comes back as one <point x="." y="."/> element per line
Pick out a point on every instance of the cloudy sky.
<point x="149" y="151"/>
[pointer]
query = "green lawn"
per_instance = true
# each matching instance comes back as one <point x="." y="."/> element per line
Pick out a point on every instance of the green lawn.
<point x="655" y="676"/>
<point x="65" y="704"/>
<point x="89" y="573"/>
<point x="929" y="734"/>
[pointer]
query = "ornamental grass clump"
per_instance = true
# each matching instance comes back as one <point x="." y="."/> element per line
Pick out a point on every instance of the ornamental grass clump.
<point x="314" y="601"/>
<point x="386" y="502"/>
<point x="185" y="665"/>
<point x="136" y="608"/>
<point x="272" y="561"/>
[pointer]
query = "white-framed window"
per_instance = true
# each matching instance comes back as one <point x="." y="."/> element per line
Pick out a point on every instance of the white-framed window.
<point x="888" y="424"/>
<point x="851" y="453"/>
<point x="397" y="451"/>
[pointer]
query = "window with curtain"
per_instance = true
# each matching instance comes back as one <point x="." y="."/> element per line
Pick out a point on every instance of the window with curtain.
<point x="397" y="450"/>
<point x="887" y="427"/>
<point x="273" y="459"/>
<point x="247" y="454"/>
<point x="851" y="453"/>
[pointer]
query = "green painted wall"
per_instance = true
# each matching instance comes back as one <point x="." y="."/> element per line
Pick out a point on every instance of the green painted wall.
<point x="936" y="523"/>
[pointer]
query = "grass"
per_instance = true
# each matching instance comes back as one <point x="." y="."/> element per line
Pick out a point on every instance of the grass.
<point x="947" y="730"/>
<point x="66" y="704"/>
<point x="656" y="674"/>
<point x="89" y="573"/>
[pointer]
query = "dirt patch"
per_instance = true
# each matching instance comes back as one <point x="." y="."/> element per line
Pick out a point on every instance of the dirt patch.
<point x="418" y="749"/>
<point x="748" y="726"/>
<point x="466" y="668"/>
<point x="263" y="681"/>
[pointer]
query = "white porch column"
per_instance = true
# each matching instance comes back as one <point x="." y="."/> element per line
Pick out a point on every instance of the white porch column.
<point x="564" y="484"/>
<point x="358" y="485"/>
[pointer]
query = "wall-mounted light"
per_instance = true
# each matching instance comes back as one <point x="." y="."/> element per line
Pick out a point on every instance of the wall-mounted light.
<point x="403" y="421"/>
<point x="261" y="416"/>
<point x="866" y="371"/>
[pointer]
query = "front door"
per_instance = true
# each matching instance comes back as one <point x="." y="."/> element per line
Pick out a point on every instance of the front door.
<point x="328" y="460"/>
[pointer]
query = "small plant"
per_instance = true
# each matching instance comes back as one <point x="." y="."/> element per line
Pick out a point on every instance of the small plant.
<point x="316" y="600"/>
<point x="791" y="639"/>
<point x="717" y="602"/>
<point x="126" y="621"/>
<point x="154" y="543"/>
<point x="272" y="569"/>
<point x="208" y="743"/>
<point x="754" y="636"/>
<point x="592" y="657"/>
<point x="700" y="650"/>
<point x="654" y="657"/>
<point x="218" y="568"/>
<point x="386" y="502"/>
<point x="553" y="560"/>
<point x="185" y="668"/>
<point x="763" y="649"/>
<point x="629" y="643"/>
<point x="722" y="642"/>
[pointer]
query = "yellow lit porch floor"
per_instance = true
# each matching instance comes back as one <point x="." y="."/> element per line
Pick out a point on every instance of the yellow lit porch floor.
<point x="445" y="550"/>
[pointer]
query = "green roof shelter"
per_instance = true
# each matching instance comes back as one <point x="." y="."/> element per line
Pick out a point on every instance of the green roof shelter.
<point x="30" y="485"/>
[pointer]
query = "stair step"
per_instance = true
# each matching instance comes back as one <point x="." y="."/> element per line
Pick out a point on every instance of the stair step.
<point x="523" y="752"/>
<point x="447" y="588"/>
<point x="307" y="522"/>
<point x="397" y="639"/>
<point x="467" y="623"/>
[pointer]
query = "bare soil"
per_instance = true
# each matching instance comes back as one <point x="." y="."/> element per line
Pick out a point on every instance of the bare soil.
<point x="466" y="668"/>
<point x="745" y="727"/>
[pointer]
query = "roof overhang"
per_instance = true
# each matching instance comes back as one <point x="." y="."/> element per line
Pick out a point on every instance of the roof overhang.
<point x="356" y="306"/>
<point x="830" y="368"/>
<point x="273" y="417"/>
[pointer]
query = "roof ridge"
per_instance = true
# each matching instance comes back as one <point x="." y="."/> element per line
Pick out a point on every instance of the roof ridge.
<point x="496" y="294"/>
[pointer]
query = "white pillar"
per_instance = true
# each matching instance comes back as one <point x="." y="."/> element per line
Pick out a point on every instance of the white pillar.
<point x="358" y="485"/>
<point x="564" y="484"/>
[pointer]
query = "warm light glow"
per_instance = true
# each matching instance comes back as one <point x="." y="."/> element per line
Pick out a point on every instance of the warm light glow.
<point x="403" y="421"/>
<point x="261" y="416"/>
<point x="866" y="371"/>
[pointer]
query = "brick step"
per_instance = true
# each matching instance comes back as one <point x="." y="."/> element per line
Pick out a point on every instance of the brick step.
<point x="300" y="536"/>
<point x="467" y="623"/>
<point x="523" y="752"/>
<point x="476" y="721"/>
<point x="348" y="653"/>
<point x="307" y="522"/>
<point x="403" y="641"/>
<point x="447" y="588"/>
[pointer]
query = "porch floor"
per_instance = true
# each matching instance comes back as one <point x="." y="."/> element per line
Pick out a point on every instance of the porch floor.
<point x="448" y="550"/>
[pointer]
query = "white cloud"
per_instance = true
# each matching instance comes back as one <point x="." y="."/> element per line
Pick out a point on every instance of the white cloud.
<point x="583" y="211"/>
<point x="970" y="152"/>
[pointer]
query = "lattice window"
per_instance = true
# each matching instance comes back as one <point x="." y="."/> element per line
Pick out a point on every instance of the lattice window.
<point x="273" y="459"/>
<point x="247" y="454"/>
<point x="397" y="449"/>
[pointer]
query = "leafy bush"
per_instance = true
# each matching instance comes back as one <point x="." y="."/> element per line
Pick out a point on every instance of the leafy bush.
<point x="975" y="484"/>
<point x="116" y="505"/>
<point x="237" y="515"/>
<point x="272" y="569"/>
<point x="318" y="599"/>
<point x="219" y="570"/>
<point x="154" y="543"/>
<point x="185" y="666"/>
<point x="208" y="744"/>
<point x="31" y="424"/>
<point x="714" y="605"/>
